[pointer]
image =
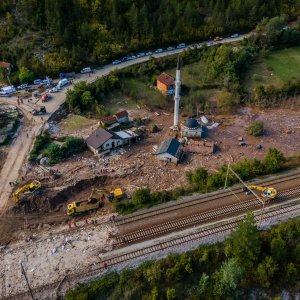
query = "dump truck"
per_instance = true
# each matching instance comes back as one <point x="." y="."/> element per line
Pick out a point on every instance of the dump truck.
<point x="80" y="207"/>
<point x="31" y="187"/>
<point x="268" y="193"/>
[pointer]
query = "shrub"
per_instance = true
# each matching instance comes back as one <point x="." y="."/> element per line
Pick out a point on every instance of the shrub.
<point x="154" y="128"/>
<point x="256" y="128"/>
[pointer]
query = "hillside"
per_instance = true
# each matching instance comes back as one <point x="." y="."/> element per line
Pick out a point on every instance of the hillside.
<point x="50" y="36"/>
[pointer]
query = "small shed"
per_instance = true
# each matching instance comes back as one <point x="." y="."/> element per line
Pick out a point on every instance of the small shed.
<point x="108" y="120"/>
<point x="122" y="117"/>
<point x="170" y="150"/>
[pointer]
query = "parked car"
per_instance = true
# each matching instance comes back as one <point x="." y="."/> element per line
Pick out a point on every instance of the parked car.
<point x="8" y="90"/>
<point x="23" y="86"/>
<point x="217" y="38"/>
<point x="67" y="75"/>
<point x="62" y="83"/>
<point x="37" y="81"/>
<point x="149" y="53"/>
<point x="234" y="36"/>
<point x="47" y="81"/>
<point x="86" y="70"/>
<point x="133" y="57"/>
<point x="180" y="46"/>
<point x="170" y="48"/>
<point x="45" y="97"/>
<point x="158" y="50"/>
<point x="140" y="54"/>
<point x="116" y="62"/>
<point x="53" y="90"/>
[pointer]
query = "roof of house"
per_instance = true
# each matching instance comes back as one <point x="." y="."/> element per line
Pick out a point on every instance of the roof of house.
<point x="4" y="64"/>
<point x="169" y="146"/>
<point x="121" y="114"/>
<point x="98" y="138"/>
<point x="166" y="79"/>
<point x="191" y="123"/>
<point x="108" y="119"/>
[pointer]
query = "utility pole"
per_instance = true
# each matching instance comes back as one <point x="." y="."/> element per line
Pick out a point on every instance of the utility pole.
<point x="24" y="273"/>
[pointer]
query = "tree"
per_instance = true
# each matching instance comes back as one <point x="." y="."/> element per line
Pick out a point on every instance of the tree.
<point x="227" y="102"/>
<point x="291" y="274"/>
<point x="203" y="283"/>
<point x="273" y="160"/>
<point x="244" y="243"/>
<point x="256" y="128"/>
<point x="227" y="279"/>
<point x="171" y="294"/>
<point x="198" y="178"/>
<point x="141" y="197"/>
<point x="265" y="271"/>
<point x="25" y="75"/>
<point x="87" y="100"/>
<point x="278" y="250"/>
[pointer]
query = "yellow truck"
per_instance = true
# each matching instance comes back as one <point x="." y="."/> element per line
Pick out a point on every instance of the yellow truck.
<point x="80" y="207"/>
<point x="31" y="187"/>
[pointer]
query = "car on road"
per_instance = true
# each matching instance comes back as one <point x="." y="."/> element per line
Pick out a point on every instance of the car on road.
<point x="53" y="90"/>
<point x="86" y="70"/>
<point x="217" y="38"/>
<point x="234" y="36"/>
<point x="141" y="54"/>
<point x="180" y="46"/>
<point x="116" y="62"/>
<point x="37" y="81"/>
<point x="158" y="50"/>
<point x="23" y="86"/>
<point x="149" y="53"/>
<point x="170" y="48"/>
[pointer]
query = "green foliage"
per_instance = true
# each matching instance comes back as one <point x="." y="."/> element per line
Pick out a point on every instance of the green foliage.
<point x="265" y="271"/>
<point x="25" y="75"/>
<point x="40" y="143"/>
<point x="256" y="128"/>
<point x="244" y="243"/>
<point x="141" y="197"/>
<point x="278" y="249"/>
<point x="171" y="294"/>
<point x="205" y="273"/>
<point x="45" y="145"/>
<point x="227" y="102"/>
<point x="227" y="279"/>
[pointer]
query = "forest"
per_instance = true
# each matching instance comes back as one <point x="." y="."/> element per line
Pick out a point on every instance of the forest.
<point x="250" y="264"/>
<point x="51" y="36"/>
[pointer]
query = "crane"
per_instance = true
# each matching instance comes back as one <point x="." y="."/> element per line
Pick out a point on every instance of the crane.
<point x="268" y="193"/>
<point x="32" y="187"/>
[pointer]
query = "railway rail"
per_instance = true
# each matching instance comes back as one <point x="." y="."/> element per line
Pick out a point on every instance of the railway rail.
<point x="195" y="219"/>
<point x="219" y="228"/>
<point x="180" y="204"/>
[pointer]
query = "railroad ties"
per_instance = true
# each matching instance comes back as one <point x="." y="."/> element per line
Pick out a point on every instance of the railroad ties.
<point x="196" y="219"/>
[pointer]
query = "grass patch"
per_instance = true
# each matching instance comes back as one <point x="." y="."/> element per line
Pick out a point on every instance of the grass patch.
<point x="76" y="122"/>
<point x="280" y="66"/>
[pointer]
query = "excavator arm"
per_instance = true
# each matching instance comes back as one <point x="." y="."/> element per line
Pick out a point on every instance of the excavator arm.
<point x="267" y="192"/>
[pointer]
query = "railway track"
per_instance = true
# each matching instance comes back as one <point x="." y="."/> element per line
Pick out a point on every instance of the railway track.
<point x="180" y="204"/>
<point x="195" y="219"/>
<point x="222" y="228"/>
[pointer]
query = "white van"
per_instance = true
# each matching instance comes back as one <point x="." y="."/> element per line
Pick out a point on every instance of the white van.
<point x="7" y="90"/>
<point x="86" y="70"/>
<point x="62" y="83"/>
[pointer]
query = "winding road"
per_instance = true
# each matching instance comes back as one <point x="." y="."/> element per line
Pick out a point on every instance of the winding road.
<point x="20" y="147"/>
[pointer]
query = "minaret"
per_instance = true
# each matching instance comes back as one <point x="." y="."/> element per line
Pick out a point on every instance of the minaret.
<point x="177" y="96"/>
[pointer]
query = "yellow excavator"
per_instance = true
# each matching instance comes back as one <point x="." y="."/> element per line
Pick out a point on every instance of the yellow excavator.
<point x="32" y="187"/>
<point x="268" y="193"/>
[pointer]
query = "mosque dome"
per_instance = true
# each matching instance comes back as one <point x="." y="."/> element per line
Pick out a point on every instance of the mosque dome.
<point x="191" y="123"/>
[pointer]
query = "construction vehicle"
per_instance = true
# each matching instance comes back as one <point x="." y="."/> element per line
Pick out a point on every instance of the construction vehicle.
<point x="79" y="207"/>
<point x="117" y="194"/>
<point x="31" y="187"/>
<point x="268" y="193"/>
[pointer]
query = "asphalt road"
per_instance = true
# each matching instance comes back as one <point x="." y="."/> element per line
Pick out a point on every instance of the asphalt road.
<point x="21" y="146"/>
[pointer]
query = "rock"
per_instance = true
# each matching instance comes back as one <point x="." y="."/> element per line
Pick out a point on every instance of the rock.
<point x="240" y="139"/>
<point x="259" y="146"/>
<point x="242" y="143"/>
<point x="44" y="161"/>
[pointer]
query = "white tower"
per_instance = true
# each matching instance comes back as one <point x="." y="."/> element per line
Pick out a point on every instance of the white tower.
<point x="177" y="96"/>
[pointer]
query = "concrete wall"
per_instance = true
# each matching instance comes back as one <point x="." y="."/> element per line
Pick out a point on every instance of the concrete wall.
<point x="167" y="157"/>
<point x="191" y="133"/>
